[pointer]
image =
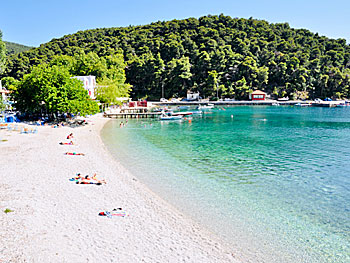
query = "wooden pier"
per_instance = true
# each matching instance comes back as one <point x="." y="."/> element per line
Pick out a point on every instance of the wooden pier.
<point x="130" y="115"/>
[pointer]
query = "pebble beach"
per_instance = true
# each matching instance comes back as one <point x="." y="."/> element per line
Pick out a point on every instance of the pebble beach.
<point x="51" y="219"/>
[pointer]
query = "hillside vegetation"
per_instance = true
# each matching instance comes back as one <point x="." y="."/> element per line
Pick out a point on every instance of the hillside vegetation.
<point x="14" y="48"/>
<point x="214" y="55"/>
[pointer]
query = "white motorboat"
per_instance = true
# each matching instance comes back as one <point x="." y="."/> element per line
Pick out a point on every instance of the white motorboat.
<point x="182" y="113"/>
<point x="169" y="116"/>
<point x="207" y="106"/>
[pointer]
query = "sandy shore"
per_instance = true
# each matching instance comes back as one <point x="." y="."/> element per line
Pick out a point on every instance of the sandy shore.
<point x="56" y="220"/>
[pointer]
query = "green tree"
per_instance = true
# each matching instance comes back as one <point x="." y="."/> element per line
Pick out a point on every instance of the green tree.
<point x="178" y="72"/>
<point x="9" y="83"/>
<point x="2" y="105"/>
<point x="2" y="54"/>
<point x="212" y="87"/>
<point x="109" y="72"/>
<point x="51" y="89"/>
<point x="263" y="54"/>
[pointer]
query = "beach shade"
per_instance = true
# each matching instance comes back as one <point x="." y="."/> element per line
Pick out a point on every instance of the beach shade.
<point x="10" y="119"/>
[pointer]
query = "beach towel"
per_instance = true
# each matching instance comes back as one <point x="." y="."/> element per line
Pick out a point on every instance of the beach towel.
<point x="74" y="153"/>
<point x="114" y="213"/>
<point x="66" y="143"/>
<point x="87" y="180"/>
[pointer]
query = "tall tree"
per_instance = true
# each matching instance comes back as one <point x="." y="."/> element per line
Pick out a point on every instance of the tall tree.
<point x="2" y="54"/>
<point x="51" y="89"/>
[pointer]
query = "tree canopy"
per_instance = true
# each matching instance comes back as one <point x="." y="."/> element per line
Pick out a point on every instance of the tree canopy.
<point x="50" y="89"/>
<point x="109" y="72"/>
<point x="213" y="54"/>
<point x="2" y="54"/>
<point x="14" y="48"/>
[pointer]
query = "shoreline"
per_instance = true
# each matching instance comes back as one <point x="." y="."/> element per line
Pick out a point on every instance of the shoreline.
<point x="56" y="220"/>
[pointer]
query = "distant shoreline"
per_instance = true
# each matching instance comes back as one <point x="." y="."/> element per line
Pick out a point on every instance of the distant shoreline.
<point x="247" y="102"/>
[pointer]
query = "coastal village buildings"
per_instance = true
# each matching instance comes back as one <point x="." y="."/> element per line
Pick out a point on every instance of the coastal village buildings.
<point x="257" y="95"/>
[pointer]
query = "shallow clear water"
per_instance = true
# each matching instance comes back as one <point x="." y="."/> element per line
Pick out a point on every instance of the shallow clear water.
<point x="272" y="181"/>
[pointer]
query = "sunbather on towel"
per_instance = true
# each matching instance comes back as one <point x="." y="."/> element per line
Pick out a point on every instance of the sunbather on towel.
<point x="94" y="177"/>
<point x="90" y="181"/>
<point x="67" y="143"/>
<point x="74" y="153"/>
<point x="79" y="179"/>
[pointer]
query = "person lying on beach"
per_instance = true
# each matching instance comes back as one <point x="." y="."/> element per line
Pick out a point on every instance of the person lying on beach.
<point x="92" y="180"/>
<point x="79" y="179"/>
<point x="115" y="212"/>
<point x="74" y="153"/>
<point x="70" y="136"/>
<point x="67" y="143"/>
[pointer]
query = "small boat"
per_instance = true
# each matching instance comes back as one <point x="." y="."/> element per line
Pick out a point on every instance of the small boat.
<point x="162" y="109"/>
<point x="169" y="116"/>
<point x="183" y="113"/>
<point x="302" y="104"/>
<point x="203" y="107"/>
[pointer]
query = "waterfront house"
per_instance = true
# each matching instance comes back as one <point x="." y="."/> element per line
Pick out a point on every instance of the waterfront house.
<point x="89" y="83"/>
<point x="191" y="96"/>
<point x="257" y="95"/>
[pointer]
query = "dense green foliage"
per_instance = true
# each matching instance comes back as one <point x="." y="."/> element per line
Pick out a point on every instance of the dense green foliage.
<point x="2" y="104"/>
<point x="2" y="54"/>
<point x="109" y="72"/>
<point x="14" y="48"/>
<point x="214" y="55"/>
<point x="50" y="89"/>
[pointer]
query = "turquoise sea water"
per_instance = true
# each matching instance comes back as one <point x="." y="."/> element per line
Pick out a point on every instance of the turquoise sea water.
<point x="274" y="182"/>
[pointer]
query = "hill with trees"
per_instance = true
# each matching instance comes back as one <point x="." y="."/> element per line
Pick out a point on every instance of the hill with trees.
<point x="2" y="54"/>
<point x="212" y="54"/>
<point x="14" y="48"/>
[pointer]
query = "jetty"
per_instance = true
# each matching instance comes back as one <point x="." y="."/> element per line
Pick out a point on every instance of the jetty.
<point x="127" y="115"/>
<point x="131" y="112"/>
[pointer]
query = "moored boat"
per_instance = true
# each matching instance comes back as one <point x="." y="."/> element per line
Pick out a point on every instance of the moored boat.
<point x="207" y="106"/>
<point x="169" y="116"/>
<point x="183" y="113"/>
<point x="302" y="104"/>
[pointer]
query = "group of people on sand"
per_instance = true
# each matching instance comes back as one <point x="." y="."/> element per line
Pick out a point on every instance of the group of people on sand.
<point x="79" y="179"/>
<point x="87" y="179"/>
<point x="70" y="137"/>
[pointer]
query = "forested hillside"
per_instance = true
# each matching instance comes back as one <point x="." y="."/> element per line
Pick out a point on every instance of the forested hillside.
<point x="232" y="55"/>
<point x="14" y="48"/>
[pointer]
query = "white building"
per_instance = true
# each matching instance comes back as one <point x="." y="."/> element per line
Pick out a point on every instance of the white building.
<point x="89" y="83"/>
<point x="3" y="93"/>
<point x="192" y="95"/>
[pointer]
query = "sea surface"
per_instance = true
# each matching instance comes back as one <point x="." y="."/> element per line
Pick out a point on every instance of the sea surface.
<point x="273" y="182"/>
